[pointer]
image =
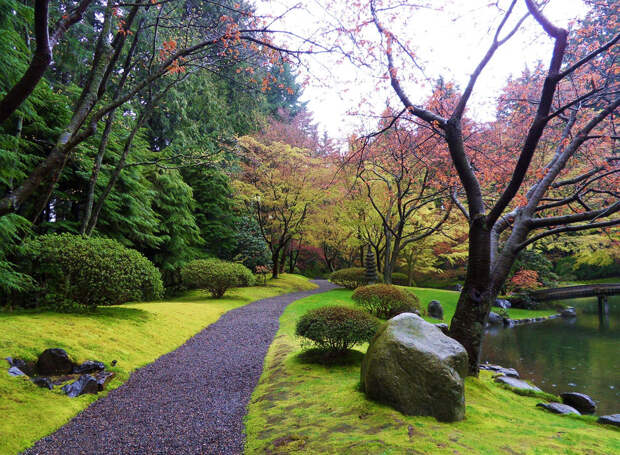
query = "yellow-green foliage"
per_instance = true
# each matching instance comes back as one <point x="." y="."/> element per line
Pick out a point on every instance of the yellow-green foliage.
<point x="304" y="408"/>
<point x="134" y="334"/>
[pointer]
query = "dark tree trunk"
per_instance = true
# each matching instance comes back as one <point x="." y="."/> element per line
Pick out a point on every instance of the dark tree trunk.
<point x="275" y="258"/>
<point x="474" y="303"/>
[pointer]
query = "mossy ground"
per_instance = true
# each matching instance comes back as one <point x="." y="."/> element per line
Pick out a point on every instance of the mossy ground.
<point x="301" y="407"/>
<point x="133" y="334"/>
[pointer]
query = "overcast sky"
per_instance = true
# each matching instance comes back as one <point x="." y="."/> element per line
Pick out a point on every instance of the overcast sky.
<point x="448" y="43"/>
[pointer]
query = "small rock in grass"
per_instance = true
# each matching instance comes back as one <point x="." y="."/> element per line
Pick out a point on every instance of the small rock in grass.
<point x="90" y="366"/>
<point x="559" y="408"/>
<point x="14" y="371"/>
<point x="85" y="384"/>
<point x="103" y="377"/>
<point x="43" y="382"/>
<point x="516" y="383"/>
<point x="583" y="403"/>
<point x="54" y="361"/>
<point x="435" y="310"/>
<point x="612" y="419"/>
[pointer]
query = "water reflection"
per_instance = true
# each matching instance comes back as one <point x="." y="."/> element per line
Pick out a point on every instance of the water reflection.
<point x="580" y="354"/>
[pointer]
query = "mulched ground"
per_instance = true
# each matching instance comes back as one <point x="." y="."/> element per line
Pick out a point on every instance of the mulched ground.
<point x="189" y="401"/>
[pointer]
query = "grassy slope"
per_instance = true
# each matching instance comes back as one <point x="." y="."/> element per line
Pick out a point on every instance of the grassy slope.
<point x="448" y="301"/>
<point x="305" y="408"/>
<point x="134" y="334"/>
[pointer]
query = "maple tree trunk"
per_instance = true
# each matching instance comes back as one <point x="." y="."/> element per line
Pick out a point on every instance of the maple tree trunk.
<point x="275" y="258"/>
<point x="467" y="326"/>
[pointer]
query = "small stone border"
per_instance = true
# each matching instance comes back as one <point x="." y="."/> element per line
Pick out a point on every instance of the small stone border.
<point x="512" y="322"/>
<point x="510" y="378"/>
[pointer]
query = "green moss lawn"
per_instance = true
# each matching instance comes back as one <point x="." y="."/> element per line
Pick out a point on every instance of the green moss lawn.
<point x="133" y="334"/>
<point x="300" y="407"/>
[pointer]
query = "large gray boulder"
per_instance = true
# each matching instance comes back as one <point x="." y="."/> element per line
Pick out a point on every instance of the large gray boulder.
<point x="412" y="366"/>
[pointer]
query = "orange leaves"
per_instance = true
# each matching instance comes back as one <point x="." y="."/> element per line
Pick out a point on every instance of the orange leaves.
<point x="168" y="47"/>
<point x="524" y="280"/>
<point x="175" y="67"/>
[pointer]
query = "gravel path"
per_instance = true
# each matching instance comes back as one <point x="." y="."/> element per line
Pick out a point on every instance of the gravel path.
<point x="189" y="401"/>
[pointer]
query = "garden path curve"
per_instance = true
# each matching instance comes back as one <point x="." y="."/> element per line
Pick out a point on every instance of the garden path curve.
<point x="189" y="401"/>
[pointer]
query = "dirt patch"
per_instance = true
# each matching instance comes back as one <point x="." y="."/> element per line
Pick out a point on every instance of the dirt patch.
<point x="511" y="451"/>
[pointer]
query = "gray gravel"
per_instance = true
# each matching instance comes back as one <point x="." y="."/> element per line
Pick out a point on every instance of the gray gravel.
<point x="189" y="401"/>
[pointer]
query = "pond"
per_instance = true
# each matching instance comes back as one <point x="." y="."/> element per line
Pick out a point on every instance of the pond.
<point x="581" y="354"/>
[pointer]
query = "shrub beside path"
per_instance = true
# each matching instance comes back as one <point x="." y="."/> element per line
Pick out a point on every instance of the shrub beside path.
<point x="189" y="401"/>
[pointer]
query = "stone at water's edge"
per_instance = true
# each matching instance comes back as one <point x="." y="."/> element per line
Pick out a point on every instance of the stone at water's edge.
<point x="54" y="361"/>
<point x="500" y="370"/>
<point x="414" y="367"/>
<point x="435" y="310"/>
<point x="569" y="312"/>
<point x="516" y="383"/>
<point x="559" y="408"/>
<point x="581" y="402"/>
<point x="613" y="419"/>
<point x="502" y="303"/>
<point x="495" y="319"/>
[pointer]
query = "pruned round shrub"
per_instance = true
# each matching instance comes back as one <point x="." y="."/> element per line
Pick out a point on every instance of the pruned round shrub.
<point x="75" y="271"/>
<point x="350" y="278"/>
<point x="386" y="301"/>
<point x="215" y="275"/>
<point x="400" y="279"/>
<point x="337" y="328"/>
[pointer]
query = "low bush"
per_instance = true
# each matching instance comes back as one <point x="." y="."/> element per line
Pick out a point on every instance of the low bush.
<point x="401" y="279"/>
<point x="386" y="301"/>
<point x="215" y="275"/>
<point x="72" y="271"/>
<point x="336" y="328"/>
<point x="350" y="278"/>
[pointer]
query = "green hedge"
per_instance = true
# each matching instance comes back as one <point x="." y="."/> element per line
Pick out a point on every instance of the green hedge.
<point x="74" y="271"/>
<point x="215" y="275"/>
<point x="386" y="301"/>
<point x="350" y="278"/>
<point x="336" y="328"/>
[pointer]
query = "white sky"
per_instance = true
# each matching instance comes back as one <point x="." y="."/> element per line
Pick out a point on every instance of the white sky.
<point x="449" y="43"/>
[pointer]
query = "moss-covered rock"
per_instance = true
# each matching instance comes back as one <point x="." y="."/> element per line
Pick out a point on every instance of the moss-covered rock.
<point x="412" y="366"/>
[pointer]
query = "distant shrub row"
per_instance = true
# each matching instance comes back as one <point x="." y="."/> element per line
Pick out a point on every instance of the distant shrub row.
<point x="350" y="278"/>
<point x="215" y="275"/>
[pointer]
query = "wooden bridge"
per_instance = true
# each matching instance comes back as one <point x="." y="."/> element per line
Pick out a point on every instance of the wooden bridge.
<point x="602" y="291"/>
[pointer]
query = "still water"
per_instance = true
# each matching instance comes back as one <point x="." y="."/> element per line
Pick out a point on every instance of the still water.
<point x="577" y="355"/>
